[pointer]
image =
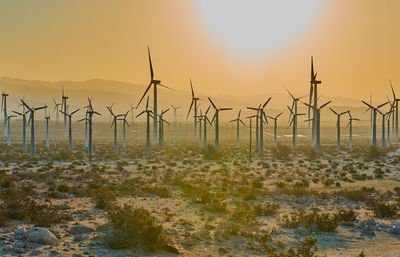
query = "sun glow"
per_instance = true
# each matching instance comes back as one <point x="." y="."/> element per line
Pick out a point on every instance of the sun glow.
<point x="254" y="27"/>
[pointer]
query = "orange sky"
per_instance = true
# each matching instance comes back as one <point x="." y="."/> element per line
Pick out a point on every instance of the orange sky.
<point x="355" y="44"/>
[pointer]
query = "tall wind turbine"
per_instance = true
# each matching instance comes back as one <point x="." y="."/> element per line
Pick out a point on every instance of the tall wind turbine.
<point x="374" y="110"/>
<point x="153" y="83"/>
<point x="47" y="118"/>
<point x="262" y="116"/>
<point x="238" y="121"/>
<point x="313" y="96"/>
<point x="9" y="129"/>
<point x="338" y="115"/>
<point x="70" y="127"/>
<point x="390" y="116"/>
<point x="193" y="102"/>
<point x="350" y="125"/>
<point x="114" y="123"/>
<point x="64" y="99"/>
<point x="31" y="121"/>
<point x="317" y="122"/>
<point x="90" y="111"/>
<point x="109" y="107"/>
<point x="161" y="132"/>
<point x="275" y="127"/>
<point x="216" y="117"/>
<point x="396" y="109"/>
<point x="148" y="115"/>
<point x="4" y="109"/>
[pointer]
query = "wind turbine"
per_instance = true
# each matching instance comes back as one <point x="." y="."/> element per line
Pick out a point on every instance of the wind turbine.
<point x="374" y="110"/>
<point x="390" y="116"/>
<point x="110" y="108"/>
<point x="262" y="116"/>
<point x="114" y="123"/>
<point x="338" y="115"/>
<point x="317" y="122"/>
<point x="175" y="108"/>
<point x="24" y="125"/>
<point x="47" y="117"/>
<point x="396" y="108"/>
<point x="4" y="109"/>
<point x="205" y="120"/>
<point x="86" y="119"/>
<point x="70" y="128"/>
<point x="153" y="83"/>
<point x="161" y="127"/>
<point x="275" y="127"/>
<point x="56" y="109"/>
<point x="194" y="101"/>
<point x="90" y="111"/>
<point x="31" y="121"/>
<point x="216" y="117"/>
<point x="313" y="96"/>
<point x="131" y="111"/>
<point x="8" y="129"/>
<point x="251" y="117"/>
<point x="293" y="123"/>
<point x="200" y="120"/>
<point x="293" y="111"/>
<point x="64" y="99"/>
<point x="148" y="115"/>
<point x="350" y="124"/>
<point x="124" y="123"/>
<point x="238" y="121"/>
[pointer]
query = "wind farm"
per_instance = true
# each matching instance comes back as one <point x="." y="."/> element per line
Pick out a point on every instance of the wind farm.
<point x="268" y="136"/>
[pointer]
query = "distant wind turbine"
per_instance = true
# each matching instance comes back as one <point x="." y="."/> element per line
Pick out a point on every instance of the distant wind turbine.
<point x="4" y="109"/>
<point x="262" y="116"/>
<point x="338" y="115"/>
<point x="148" y="115"/>
<point x="238" y="121"/>
<point x="90" y="111"/>
<point x="161" y="127"/>
<point x="374" y="110"/>
<point x="350" y="125"/>
<point x="9" y="129"/>
<point x="216" y="117"/>
<point x="70" y="127"/>
<point x="275" y="127"/>
<point x="24" y="125"/>
<point x="114" y="123"/>
<point x="313" y="96"/>
<point x="193" y="102"/>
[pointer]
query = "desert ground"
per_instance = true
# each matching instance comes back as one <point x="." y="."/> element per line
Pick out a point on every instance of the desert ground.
<point x="192" y="201"/>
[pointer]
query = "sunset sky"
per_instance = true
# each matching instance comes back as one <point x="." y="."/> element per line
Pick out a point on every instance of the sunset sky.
<point x="244" y="47"/>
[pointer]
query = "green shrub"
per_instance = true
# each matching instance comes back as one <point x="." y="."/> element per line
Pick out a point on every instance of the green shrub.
<point x="282" y="152"/>
<point x="324" y="221"/>
<point x="133" y="227"/>
<point x="243" y="213"/>
<point x="266" y="209"/>
<point x="385" y="210"/>
<point x="103" y="197"/>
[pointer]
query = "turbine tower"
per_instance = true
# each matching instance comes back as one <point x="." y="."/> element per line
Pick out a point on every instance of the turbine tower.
<point x="86" y="126"/>
<point x="205" y="121"/>
<point x="114" y="123"/>
<point x="374" y="110"/>
<point x="275" y="127"/>
<point x="317" y="122"/>
<point x="175" y="108"/>
<point x="194" y="101"/>
<point x="4" y="109"/>
<point x="70" y="128"/>
<point x="23" y="115"/>
<point x="251" y="117"/>
<point x="124" y="123"/>
<point x="64" y="99"/>
<point x="9" y="129"/>
<point x="238" y="121"/>
<point x="131" y="111"/>
<point x="313" y="96"/>
<point x="148" y="115"/>
<point x="293" y="111"/>
<point x="161" y="132"/>
<point x="200" y="120"/>
<point x="31" y="121"/>
<point x="263" y="118"/>
<point x="350" y="125"/>
<point x="153" y="83"/>
<point x="47" y="117"/>
<point x="395" y="121"/>
<point x="216" y="117"/>
<point x="90" y="111"/>
<point x="338" y="115"/>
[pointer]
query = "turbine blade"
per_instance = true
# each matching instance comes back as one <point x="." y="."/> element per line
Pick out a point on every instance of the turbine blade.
<point x="191" y="87"/>
<point x="325" y="104"/>
<point x="269" y="99"/>
<point x="215" y="107"/>
<point x="151" y="65"/>
<point x="145" y="92"/>
<point x="190" y="108"/>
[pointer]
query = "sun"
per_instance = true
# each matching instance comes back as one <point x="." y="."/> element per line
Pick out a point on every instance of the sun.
<point x="254" y="27"/>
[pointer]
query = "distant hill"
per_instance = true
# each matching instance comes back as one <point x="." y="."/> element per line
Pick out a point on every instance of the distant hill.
<point x="105" y="92"/>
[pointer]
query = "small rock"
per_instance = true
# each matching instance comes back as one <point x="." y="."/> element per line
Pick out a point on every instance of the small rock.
<point x="77" y="230"/>
<point x="20" y="230"/>
<point x="41" y="235"/>
<point x="171" y="249"/>
<point x="188" y="242"/>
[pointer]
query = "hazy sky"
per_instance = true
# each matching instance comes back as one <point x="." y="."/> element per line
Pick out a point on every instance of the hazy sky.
<point x="244" y="47"/>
